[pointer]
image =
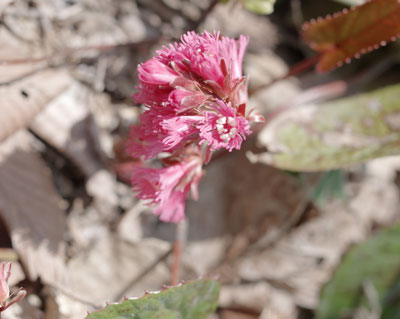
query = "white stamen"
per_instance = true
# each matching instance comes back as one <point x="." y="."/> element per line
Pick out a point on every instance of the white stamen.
<point x="220" y="128"/>
<point x="221" y="120"/>
<point x="225" y="137"/>
<point x="231" y="121"/>
<point x="232" y="132"/>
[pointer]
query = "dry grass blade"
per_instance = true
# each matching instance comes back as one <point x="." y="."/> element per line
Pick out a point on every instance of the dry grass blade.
<point x="30" y="208"/>
<point x="24" y="99"/>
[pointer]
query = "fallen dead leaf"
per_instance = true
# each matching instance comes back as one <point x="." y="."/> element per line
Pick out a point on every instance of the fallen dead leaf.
<point x="4" y="4"/>
<point x="303" y="260"/>
<point x="221" y="19"/>
<point x="13" y="50"/>
<point x="30" y="208"/>
<point x="27" y="308"/>
<point x="24" y="99"/>
<point x="66" y="124"/>
<point x="105" y="271"/>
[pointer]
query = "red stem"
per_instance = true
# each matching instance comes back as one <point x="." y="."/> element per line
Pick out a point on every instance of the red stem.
<point x="175" y="271"/>
<point x="177" y="252"/>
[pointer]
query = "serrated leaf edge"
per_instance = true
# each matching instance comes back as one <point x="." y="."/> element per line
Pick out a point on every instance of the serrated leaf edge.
<point x="148" y="293"/>
<point x="357" y="55"/>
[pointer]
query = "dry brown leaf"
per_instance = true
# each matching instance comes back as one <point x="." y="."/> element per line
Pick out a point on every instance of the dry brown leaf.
<point x="66" y="124"/>
<point x="27" y="308"/>
<point x="221" y="19"/>
<point x="101" y="273"/>
<point x="249" y="296"/>
<point x="4" y="4"/>
<point x="30" y="208"/>
<point x="22" y="100"/>
<point x="305" y="258"/>
<point x="13" y="50"/>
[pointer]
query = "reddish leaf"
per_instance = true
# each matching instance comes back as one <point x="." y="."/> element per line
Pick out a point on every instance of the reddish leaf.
<point x="352" y="32"/>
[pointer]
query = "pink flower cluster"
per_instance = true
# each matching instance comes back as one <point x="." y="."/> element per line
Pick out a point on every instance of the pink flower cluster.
<point x="195" y="99"/>
<point x="7" y="299"/>
<point x="5" y="272"/>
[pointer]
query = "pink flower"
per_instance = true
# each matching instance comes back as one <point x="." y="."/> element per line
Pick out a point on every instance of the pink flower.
<point x="194" y="94"/>
<point x="183" y="99"/>
<point x="204" y="65"/>
<point x="7" y="299"/>
<point x="153" y="72"/>
<point x="223" y="128"/>
<point x="5" y="272"/>
<point x="179" y="129"/>
<point x="160" y="131"/>
<point x="151" y="94"/>
<point x="204" y="54"/>
<point x="186" y="88"/>
<point x="147" y="139"/>
<point x="167" y="187"/>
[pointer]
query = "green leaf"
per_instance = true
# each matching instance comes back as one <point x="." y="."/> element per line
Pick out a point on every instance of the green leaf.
<point x="260" y="6"/>
<point x="257" y="6"/>
<point x="334" y="134"/>
<point x="391" y="302"/>
<point x="330" y="185"/>
<point x="376" y="261"/>
<point x="193" y="300"/>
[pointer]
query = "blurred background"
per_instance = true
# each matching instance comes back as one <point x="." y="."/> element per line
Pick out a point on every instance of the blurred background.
<point x="71" y="225"/>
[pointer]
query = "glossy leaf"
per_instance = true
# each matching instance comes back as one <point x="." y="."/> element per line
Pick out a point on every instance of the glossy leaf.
<point x="352" y="32"/>
<point x="376" y="262"/>
<point x="334" y="134"/>
<point x="193" y="300"/>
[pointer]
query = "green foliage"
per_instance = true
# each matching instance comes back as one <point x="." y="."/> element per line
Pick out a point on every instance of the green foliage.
<point x="335" y="134"/>
<point x="347" y="34"/>
<point x="260" y="6"/>
<point x="257" y="6"/>
<point x="375" y="262"/>
<point x="391" y="302"/>
<point x="330" y="185"/>
<point x="193" y="300"/>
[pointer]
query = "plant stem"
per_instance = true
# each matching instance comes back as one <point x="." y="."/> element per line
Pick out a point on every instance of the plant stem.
<point x="179" y="243"/>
